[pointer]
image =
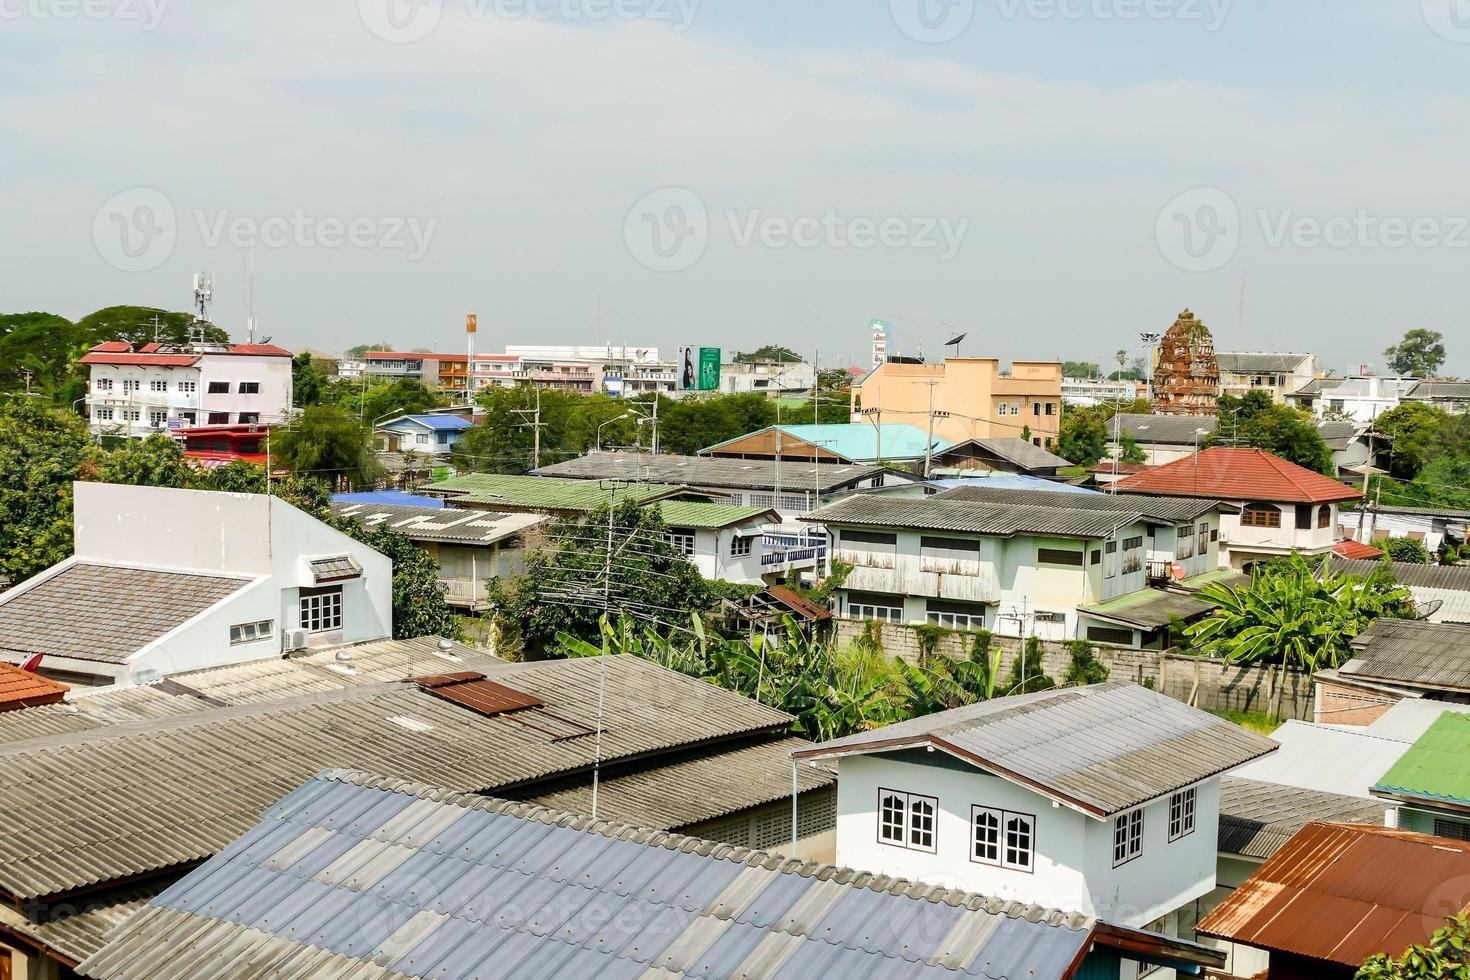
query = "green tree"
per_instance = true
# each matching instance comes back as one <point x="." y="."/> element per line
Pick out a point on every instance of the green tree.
<point x="1445" y="957"/>
<point x="1406" y="550"/>
<point x="1297" y="613"/>
<point x="1081" y="369"/>
<point x="1083" y="435"/>
<point x="362" y="350"/>
<point x="39" y="352"/>
<point x="42" y="451"/>
<point x="567" y="584"/>
<point x="1130" y="451"/>
<point x="328" y="444"/>
<point x="306" y="382"/>
<point x="834" y="398"/>
<point x="1416" y="433"/>
<point x="157" y="461"/>
<point x="1084" y="668"/>
<point x="1028" y="671"/>
<point x="1419" y="355"/>
<point x="505" y="442"/>
<point x="145" y="324"/>
<point x="771" y="352"/>
<point x="1256" y="421"/>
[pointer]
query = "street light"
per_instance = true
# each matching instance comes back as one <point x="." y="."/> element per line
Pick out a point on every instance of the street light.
<point x="608" y="423"/>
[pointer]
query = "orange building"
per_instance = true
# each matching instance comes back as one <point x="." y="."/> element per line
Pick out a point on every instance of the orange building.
<point x="971" y="398"/>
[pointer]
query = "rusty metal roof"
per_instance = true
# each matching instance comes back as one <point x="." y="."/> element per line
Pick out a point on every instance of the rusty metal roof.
<point x="1342" y="893"/>
<point x="473" y="691"/>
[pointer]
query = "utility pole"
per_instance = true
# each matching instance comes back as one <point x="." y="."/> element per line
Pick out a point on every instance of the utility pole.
<point x="612" y="509"/>
<point x="929" y="447"/>
<point x="1367" y="474"/>
<point x="534" y="425"/>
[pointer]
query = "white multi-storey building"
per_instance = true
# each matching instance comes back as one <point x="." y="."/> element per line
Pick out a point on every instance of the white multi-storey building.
<point x="139" y="390"/>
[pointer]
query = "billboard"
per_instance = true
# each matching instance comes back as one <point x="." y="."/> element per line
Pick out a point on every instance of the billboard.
<point x="699" y="368"/>
<point x="882" y="330"/>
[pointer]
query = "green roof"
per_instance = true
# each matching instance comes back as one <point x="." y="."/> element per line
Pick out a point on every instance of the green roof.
<point x="546" y="493"/>
<point x="1149" y="609"/>
<point x="691" y="514"/>
<point x="1437" y="767"/>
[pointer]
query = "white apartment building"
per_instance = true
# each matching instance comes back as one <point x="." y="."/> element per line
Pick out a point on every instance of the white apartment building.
<point x="612" y="370"/>
<point x="165" y="581"/>
<point x="136" y="391"/>
<point x="1104" y="801"/>
<point x="767" y="377"/>
<point x="1092" y="392"/>
<point x="1361" y="399"/>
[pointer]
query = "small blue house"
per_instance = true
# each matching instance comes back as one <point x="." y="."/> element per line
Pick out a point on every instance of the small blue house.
<point x="433" y="435"/>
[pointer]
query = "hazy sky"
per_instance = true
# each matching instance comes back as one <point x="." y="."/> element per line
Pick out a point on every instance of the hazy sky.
<point x="1053" y="176"/>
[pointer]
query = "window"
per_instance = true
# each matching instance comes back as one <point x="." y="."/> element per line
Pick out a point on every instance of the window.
<point x="1058" y="556"/>
<point x="907" y="820"/>
<point x="249" y="387"/>
<point x="422" y="438"/>
<point x="1051" y="408"/>
<point x="1260" y="515"/>
<point x="321" y="609"/>
<point x="681" y="539"/>
<point x="249" y="418"/>
<point x="987" y="835"/>
<point x="1133" y="544"/>
<point x="132" y="415"/>
<point x="1097" y="557"/>
<point x="1111" y="635"/>
<point x="741" y="547"/>
<point x="1003" y="839"/>
<point x="188" y="387"/>
<point x="1110" y="566"/>
<point x="1020" y="842"/>
<point x="1453" y="829"/>
<point x="1036" y="409"/>
<point x="892" y="810"/>
<point x="869" y="537"/>
<point x="955" y="615"/>
<point x="129" y="387"/>
<point x="443" y="438"/>
<point x="158" y="386"/>
<point x="876" y="612"/>
<point x="1003" y="408"/>
<point x="1127" y="837"/>
<point x="251" y="632"/>
<point x="219" y="387"/>
<point x="1181" y="814"/>
<point x="922" y="813"/>
<point x="219" y="418"/>
<point x="158" y="419"/>
<point x="102" y="414"/>
<point x="1324" y="517"/>
<point x="1204" y="539"/>
<point x="104" y="384"/>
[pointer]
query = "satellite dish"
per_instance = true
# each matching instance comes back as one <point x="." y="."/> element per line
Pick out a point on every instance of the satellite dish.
<point x="1424" y="610"/>
<point x="957" y="341"/>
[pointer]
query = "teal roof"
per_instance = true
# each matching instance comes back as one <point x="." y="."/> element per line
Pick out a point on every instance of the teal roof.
<point x="1437" y="767"/>
<point x="546" y="493"/>
<point x="858" y="442"/>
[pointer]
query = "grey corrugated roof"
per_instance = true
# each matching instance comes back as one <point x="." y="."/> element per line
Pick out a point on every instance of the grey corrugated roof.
<point x="77" y="933"/>
<point x="446" y="525"/>
<point x="1250" y="362"/>
<point x="104" y="613"/>
<point x="85" y="711"/>
<point x="1319" y="385"/>
<point x="1451" y="390"/>
<point x="1256" y="818"/>
<point x="1456" y="577"/>
<point x="1171" y="510"/>
<point x="1423" y="654"/>
<point x="1104" y="749"/>
<point x="713" y="472"/>
<point x="1339" y="435"/>
<point x="356" y="875"/>
<point x="1449" y="513"/>
<point x="1163" y="430"/>
<point x="702" y="786"/>
<point x="963" y="517"/>
<point x="1017" y="451"/>
<point x="176" y="791"/>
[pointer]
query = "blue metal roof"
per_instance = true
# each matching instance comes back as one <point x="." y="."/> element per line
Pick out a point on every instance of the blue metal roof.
<point x="438" y="423"/>
<point x="858" y="442"/>
<point x="356" y="872"/>
<point x="1010" y="481"/>
<point x="391" y="498"/>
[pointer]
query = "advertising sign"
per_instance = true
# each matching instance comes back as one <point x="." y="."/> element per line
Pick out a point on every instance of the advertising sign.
<point x="881" y="331"/>
<point x="699" y="368"/>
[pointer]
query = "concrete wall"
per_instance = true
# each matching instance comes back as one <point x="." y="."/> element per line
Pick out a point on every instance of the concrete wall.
<point x="1207" y="684"/>
<point x="972" y="391"/>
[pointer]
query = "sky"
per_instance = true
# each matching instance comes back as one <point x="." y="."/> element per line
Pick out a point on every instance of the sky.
<point x="1051" y="177"/>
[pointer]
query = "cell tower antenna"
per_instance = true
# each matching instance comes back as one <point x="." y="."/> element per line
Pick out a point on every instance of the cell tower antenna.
<point x="250" y="299"/>
<point x="203" y="295"/>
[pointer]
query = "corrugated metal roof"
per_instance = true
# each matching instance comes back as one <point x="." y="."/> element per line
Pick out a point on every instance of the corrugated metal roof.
<point x="1239" y="474"/>
<point x="1257" y="818"/>
<point x="1411" y="718"/>
<point x="1432" y="655"/>
<point x="1172" y="510"/>
<point x="104" y="613"/>
<point x="1104" y="749"/>
<point x="1326" y="758"/>
<point x="1447" y="586"/>
<point x="1005" y="520"/>
<point x="711" y="472"/>
<point x="692" y="514"/>
<point x="473" y="691"/>
<point x="702" y="786"/>
<point x="78" y="930"/>
<point x="22" y="689"/>
<point x="1344" y="893"/>
<point x="176" y="791"/>
<point x="1436" y="768"/>
<point x="1252" y="362"/>
<point x="1450" y="390"/>
<point x="447" y="525"/>
<point x="1150" y="609"/>
<point x="856" y="442"/>
<point x="1018" y="452"/>
<point x="1339" y="435"/>
<point x="85" y="710"/>
<point x="540" y="493"/>
<point x="1163" y="430"/>
<point x="354" y="875"/>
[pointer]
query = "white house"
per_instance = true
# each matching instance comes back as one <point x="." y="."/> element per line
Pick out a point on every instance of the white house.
<point x="767" y="377"/>
<point x="140" y="390"/>
<point x="1433" y="527"/>
<point x="1100" y="800"/>
<point x="164" y="581"/>
<point x="1361" y="399"/>
<point x="734" y="544"/>
<point x="428" y="434"/>
<point x="1060" y="567"/>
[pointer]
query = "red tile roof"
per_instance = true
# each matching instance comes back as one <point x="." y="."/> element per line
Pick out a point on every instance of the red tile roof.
<point x="1356" y="551"/>
<point x="19" y="689"/>
<point x="1107" y="467"/>
<point x="1342" y="893"/>
<point x="1240" y="474"/>
<point x="259" y="350"/>
<point x="122" y="353"/>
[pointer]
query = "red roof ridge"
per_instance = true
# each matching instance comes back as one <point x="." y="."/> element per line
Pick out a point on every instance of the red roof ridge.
<point x="1240" y="473"/>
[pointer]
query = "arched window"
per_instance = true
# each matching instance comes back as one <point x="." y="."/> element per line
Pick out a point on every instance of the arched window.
<point x="1324" y="516"/>
<point x="891" y="817"/>
<point x="1260" y="515"/>
<point x="921" y="823"/>
<point x="987" y="836"/>
<point x="1019" y="848"/>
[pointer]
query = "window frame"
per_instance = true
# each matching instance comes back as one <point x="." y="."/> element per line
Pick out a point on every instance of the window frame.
<point x="249" y="387"/>
<point x="907" y="828"/>
<point x="1002" y="843"/>
<point x="217" y="388"/>
<point x="1183" y="813"/>
<point x="1324" y="517"/>
<point x="742" y="546"/>
<point x="317" y="612"/>
<point x="675" y="537"/>
<point x="244" y="633"/>
<point x="1128" y="837"/>
<point x="1264" y="516"/>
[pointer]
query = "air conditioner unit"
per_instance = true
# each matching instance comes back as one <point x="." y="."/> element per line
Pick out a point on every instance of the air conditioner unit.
<point x="295" y="640"/>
